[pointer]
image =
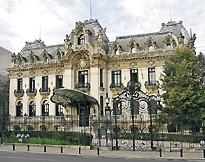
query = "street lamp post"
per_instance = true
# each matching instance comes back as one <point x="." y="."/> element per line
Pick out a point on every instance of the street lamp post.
<point x="25" y="121"/>
<point x="108" y="108"/>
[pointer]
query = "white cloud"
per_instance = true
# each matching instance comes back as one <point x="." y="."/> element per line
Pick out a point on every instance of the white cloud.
<point x="20" y="20"/>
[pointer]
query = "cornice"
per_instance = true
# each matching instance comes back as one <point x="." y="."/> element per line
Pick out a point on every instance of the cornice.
<point x="138" y="58"/>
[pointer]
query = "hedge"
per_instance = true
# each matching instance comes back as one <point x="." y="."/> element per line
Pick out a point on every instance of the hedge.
<point x="75" y="138"/>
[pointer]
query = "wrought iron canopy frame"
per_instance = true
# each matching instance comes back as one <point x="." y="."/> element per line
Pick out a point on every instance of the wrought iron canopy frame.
<point x="72" y="97"/>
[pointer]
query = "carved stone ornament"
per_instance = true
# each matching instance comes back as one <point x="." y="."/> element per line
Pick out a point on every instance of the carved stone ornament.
<point x="32" y="72"/>
<point x="83" y="63"/>
<point x="45" y="72"/>
<point x="58" y="71"/>
<point x="19" y="74"/>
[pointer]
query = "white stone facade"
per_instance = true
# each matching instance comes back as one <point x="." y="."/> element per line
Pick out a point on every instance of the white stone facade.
<point x="89" y="62"/>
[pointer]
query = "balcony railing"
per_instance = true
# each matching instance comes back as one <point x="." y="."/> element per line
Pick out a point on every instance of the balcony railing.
<point x="116" y="85"/>
<point x="82" y="85"/>
<point x="152" y="83"/>
<point x="19" y="92"/>
<point x="152" y="86"/>
<point x="48" y="90"/>
<point x="36" y="119"/>
<point x="31" y="92"/>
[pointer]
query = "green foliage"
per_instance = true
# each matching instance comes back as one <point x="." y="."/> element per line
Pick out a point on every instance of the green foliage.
<point x="4" y="99"/>
<point x="183" y="85"/>
<point x="50" y="137"/>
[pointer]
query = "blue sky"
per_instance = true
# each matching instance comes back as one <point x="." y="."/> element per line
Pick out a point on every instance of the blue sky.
<point x="21" y="20"/>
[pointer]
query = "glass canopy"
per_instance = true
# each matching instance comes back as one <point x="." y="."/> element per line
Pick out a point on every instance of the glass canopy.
<point x="72" y="97"/>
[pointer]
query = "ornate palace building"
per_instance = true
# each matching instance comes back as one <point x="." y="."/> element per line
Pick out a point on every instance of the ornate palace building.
<point x="88" y="62"/>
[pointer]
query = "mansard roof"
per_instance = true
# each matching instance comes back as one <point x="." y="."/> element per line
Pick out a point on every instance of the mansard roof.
<point x="173" y="29"/>
<point x="94" y="29"/>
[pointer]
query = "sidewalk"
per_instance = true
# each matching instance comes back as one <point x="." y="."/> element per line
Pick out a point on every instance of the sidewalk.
<point x="52" y="149"/>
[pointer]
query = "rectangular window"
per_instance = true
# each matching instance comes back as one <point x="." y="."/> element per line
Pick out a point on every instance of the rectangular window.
<point x="59" y="81"/>
<point x="101" y="77"/>
<point x="134" y="75"/>
<point x="83" y="79"/>
<point x="117" y="108"/>
<point x="32" y="84"/>
<point x="116" y="78"/>
<point x="151" y="76"/>
<point x="45" y="83"/>
<point x="19" y="84"/>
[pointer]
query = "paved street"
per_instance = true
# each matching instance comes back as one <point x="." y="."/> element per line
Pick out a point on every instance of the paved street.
<point x="31" y="157"/>
<point x="53" y="153"/>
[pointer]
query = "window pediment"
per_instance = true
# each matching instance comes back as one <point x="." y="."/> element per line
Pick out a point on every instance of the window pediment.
<point x="33" y="58"/>
<point x="59" y="54"/>
<point x="168" y="42"/>
<point x="150" y="45"/>
<point x="116" y="48"/>
<point x="46" y="56"/>
<point x="20" y="59"/>
<point x="133" y="46"/>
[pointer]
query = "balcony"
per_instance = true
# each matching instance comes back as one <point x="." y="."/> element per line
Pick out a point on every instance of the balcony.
<point x="31" y="92"/>
<point x="85" y="87"/>
<point x="152" y="85"/>
<point x="18" y="92"/>
<point x="116" y="88"/>
<point x="44" y="91"/>
<point x="116" y="85"/>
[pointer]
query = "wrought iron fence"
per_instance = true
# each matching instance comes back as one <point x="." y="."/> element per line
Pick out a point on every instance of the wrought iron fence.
<point x="118" y="131"/>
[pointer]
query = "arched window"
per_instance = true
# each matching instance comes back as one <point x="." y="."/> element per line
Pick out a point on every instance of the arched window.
<point x="32" y="108"/>
<point x="150" y="48"/>
<point x="29" y="128"/>
<point x="16" y="127"/>
<point x="81" y="39"/>
<point x="133" y="50"/>
<point x="169" y="46"/>
<point x="19" y="109"/>
<point x="43" y="127"/>
<point x="116" y="52"/>
<point x="56" y="127"/>
<point x="45" y="108"/>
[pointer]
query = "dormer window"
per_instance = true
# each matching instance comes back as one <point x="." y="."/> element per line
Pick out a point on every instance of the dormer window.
<point x="169" y="47"/>
<point x="116" y="52"/>
<point x="151" y="48"/>
<point x="81" y="39"/>
<point x="45" y="59"/>
<point x="133" y="50"/>
<point x="32" y="60"/>
<point x="19" y="62"/>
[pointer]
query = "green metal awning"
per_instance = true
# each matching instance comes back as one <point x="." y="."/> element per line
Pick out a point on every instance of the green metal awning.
<point x="72" y="97"/>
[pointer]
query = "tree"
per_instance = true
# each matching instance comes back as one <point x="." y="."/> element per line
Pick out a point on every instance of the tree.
<point x="4" y="100"/>
<point x="183" y="84"/>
